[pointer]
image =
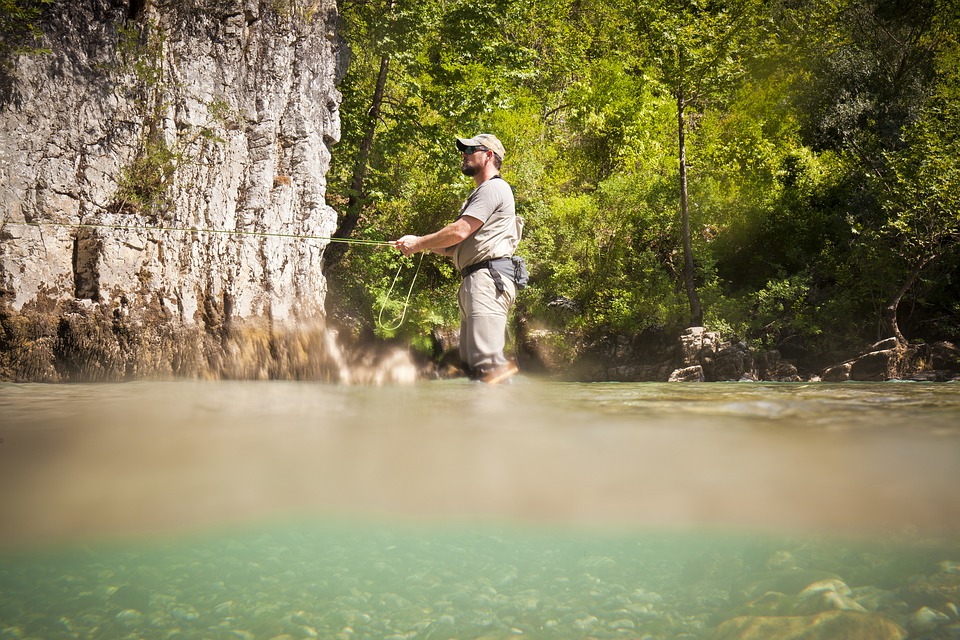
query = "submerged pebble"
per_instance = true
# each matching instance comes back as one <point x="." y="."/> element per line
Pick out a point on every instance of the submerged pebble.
<point x="927" y="619"/>
<point x="323" y="586"/>
<point x="129" y="618"/>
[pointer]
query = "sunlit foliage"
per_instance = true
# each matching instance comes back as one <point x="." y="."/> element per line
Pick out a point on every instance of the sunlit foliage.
<point x="820" y="139"/>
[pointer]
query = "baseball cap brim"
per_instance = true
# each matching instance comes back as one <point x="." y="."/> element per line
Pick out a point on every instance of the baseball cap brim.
<point x="486" y="140"/>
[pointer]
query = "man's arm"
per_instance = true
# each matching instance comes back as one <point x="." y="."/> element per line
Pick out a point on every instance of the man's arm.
<point x="439" y="241"/>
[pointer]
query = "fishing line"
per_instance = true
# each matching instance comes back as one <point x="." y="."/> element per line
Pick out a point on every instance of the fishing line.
<point x="238" y="232"/>
<point x="406" y="302"/>
<point x="262" y="234"/>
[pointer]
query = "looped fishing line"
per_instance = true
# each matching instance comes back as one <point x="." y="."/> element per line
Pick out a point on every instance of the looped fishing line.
<point x="406" y="302"/>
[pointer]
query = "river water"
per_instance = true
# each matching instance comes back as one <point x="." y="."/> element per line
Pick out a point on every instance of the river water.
<point x="457" y="510"/>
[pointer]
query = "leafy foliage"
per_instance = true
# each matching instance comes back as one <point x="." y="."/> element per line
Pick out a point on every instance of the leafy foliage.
<point x="821" y="139"/>
<point x="20" y="30"/>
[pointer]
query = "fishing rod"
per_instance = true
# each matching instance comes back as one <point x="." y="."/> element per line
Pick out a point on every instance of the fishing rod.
<point x="262" y="234"/>
<point x="239" y="232"/>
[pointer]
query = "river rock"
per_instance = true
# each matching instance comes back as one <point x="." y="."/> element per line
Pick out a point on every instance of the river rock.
<point x="687" y="374"/>
<point x="733" y="363"/>
<point x="837" y="373"/>
<point x="936" y="591"/>
<point x="789" y="582"/>
<point x="695" y="344"/>
<point x="944" y="356"/>
<point x="876" y="366"/>
<point x="538" y="350"/>
<point x="832" y="625"/>
<point x="210" y="114"/>
<point x="827" y="595"/>
<point x="926" y="619"/>
<point x="774" y="368"/>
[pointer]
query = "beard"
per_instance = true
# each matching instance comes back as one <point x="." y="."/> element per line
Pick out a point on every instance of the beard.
<point x="469" y="170"/>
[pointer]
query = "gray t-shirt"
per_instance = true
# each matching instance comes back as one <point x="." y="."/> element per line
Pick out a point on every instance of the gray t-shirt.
<point x="492" y="203"/>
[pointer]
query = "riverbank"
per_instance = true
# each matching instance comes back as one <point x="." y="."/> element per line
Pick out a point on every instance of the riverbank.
<point x="699" y="355"/>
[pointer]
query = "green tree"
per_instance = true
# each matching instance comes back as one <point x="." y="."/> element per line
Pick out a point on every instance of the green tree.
<point x="701" y="49"/>
<point x="921" y="192"/>
<point x="878" y="69"/>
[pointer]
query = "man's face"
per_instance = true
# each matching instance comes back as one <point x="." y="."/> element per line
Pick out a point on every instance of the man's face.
<point x="473" y="161"/>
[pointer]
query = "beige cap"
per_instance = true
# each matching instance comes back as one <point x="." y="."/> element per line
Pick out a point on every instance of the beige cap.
<point x="487" y="140"/>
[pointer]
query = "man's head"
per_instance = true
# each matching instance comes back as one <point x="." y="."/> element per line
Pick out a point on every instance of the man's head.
<point x="483" y="143"/>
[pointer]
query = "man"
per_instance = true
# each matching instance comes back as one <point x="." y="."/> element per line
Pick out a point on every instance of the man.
<point x="481" y="242"/>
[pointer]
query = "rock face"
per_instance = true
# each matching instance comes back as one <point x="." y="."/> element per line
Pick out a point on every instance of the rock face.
<point x="203" y="115"/>
<point x="727" y="361"/>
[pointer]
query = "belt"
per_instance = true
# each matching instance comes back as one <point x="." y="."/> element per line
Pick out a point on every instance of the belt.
<point x="497" y="266"/>
<point x="493" y="263"/>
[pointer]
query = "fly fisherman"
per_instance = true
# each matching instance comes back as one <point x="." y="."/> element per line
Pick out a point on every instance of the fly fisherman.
<point x="481" y="242"/>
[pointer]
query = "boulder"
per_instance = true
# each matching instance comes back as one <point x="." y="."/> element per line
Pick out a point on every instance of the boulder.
<point x="837" y="373"/>
<point x="876" y="366"/>
<point x="831" y="625"/>
<point x="944" y="356"/>
<point x="687" y="374"/>
<point x="696" y="343"/>
<point x="774" y="368"/>
<point x="733" y="363"/>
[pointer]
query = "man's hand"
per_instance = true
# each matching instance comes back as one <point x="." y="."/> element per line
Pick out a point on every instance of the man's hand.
<point x="408" y="245"/>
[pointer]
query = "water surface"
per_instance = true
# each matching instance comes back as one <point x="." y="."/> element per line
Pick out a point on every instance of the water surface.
<point x="455" y="510"/>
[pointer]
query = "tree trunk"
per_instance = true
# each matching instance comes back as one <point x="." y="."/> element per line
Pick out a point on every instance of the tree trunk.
<point x="696" y="313"/>
<point x="334" y="251"/>
<point x="890" y="323"/>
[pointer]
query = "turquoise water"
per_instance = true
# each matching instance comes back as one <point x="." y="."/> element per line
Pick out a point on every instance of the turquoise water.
<point x="453" y="510"/>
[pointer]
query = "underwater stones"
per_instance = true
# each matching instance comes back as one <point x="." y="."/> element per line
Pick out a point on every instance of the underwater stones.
<point x="949" y="566"/>
<point x="129" y="618"/>
<point x="586" y="623"/>
<point x="623" y="624"/>
<point x="184" y="613"/>
<point x="832" y="625"/>
<point x="131" y="597"/>
<point x="644" y="597"/>
<point x="926" y="619"/>
<point x="936" y="591"/>
<point x="788" y="582"/>
<point x="781" y="561"/>
<point x="826" y="595"/>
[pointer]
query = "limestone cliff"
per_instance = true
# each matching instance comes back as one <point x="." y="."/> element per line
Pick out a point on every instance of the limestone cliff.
<point x="191" y="114"/>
